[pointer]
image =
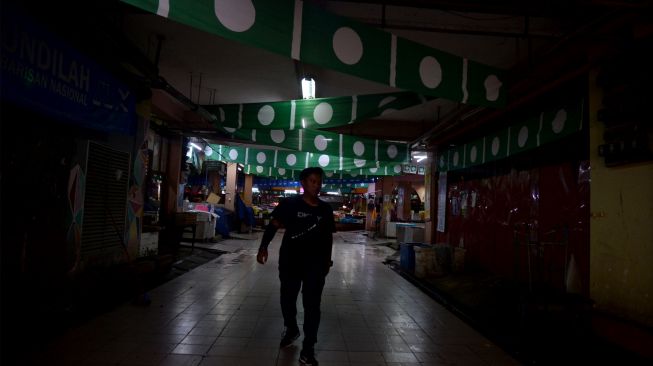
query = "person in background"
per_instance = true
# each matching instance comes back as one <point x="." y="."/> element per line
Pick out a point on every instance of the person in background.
<point x="304" y="258"/>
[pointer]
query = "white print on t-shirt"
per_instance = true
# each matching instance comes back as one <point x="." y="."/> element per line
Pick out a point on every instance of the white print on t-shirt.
<point x="310" y="228"/>
<point x="302" y="215"/>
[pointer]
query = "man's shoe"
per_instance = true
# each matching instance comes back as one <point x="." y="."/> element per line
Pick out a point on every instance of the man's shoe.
<point x="289" y="336"/>
<point x="307" y="358"/>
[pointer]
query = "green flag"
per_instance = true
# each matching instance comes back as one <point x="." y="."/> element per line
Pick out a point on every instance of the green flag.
<point x="523" y="136"/>
<point x="474" y="152"/>
<point x="560" y="122"/>
<point x="341" y="44"/>
<point x="427" y="70"/>
<point x="306" y="32"/>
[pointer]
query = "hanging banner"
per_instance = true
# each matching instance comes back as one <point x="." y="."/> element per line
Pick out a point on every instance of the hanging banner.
<point x="362" y="150"/>
<point x="305" y="31"/>
<point x="533" y="132"/>
<point x="42" y="73"/>
<point x="312" y="113"/>
<point x="260" y="160"/>
<point x="281" y="173"/>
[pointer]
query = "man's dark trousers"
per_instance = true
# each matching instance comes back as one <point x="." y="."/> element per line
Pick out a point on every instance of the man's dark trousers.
<point x="311" y="282"/>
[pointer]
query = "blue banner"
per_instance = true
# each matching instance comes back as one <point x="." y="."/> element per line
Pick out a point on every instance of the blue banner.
<point x="42" y="73"/>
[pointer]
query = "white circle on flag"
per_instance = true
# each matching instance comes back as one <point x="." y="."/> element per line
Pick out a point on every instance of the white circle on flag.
<point x="230" y="129"/>
<point x="291" y="159"/>
<point x="222" y="116"/>
<point x="359" y="163"/>
<point x="253" y="135"/>
<point x="323" y="113"/>
<point x="347" y="45"/>
<point x="282" y="171"/>
<point x="329" y="174"/>
<point x="472" y="154"/>
<point x="277" y="136"/>
<point x="235" y="15"/>
<point x="266" y="115"/>
<point x="523" y="136"/>
<point x="456" y="157"/>
<point x="359" y="148"/>
<point x="496" y="144"/>
<point x="353" y="173"/>
<point x="260" y="157"/>
<point x="492" y="88"/>
<point x="430" y="72"/>
<point x="233" y="154"/>
<point x="323" y="160"/>
<point x="558" y="123"/>
<point x="386" y="100"/>
<point x="397" y="169"/>
<point x="373" y="170"/>
<point x="208" y="151"/>
<point x="392" y="151"/>
<point x="320" y="142"/>
<point x="259" y="169"/>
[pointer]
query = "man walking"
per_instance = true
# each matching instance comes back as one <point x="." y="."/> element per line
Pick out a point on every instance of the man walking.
<point x="304" y="258"/>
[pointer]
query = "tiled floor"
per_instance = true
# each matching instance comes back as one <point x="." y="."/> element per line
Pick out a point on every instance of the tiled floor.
<point x="227" y="312"/>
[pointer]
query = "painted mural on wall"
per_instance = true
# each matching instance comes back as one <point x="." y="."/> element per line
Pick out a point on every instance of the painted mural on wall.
<point x="75" y="193"/>
<point x="135" y="199"/>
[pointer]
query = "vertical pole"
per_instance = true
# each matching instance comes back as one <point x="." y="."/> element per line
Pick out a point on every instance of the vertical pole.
<point x="247" y="190"/>
<point x="230" y="191"/>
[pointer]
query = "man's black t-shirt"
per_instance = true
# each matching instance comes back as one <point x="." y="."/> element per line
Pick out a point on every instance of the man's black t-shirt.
<point x="309" y="233"/>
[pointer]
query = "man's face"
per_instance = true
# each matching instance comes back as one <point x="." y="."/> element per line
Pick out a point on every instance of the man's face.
<point x="312" y="184"/>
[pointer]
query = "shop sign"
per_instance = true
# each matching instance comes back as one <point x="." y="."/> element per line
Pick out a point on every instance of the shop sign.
<point x="42" y="73"/>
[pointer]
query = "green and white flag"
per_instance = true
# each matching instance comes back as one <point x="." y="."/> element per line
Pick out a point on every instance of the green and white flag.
<point x="282" y="173"/>
<point x="341" y="44"/>
<point x="547" y="126"/>
<point x="306" y="32"/>
<point x="523" y="136"/>
<point x="297" y="160"/>
<point x="312" y="113"/>
<point x="496" y="146"/>
<point x="560" y="122"/>
<point x="474" y="152"/>
<point x="268" y="171"/>
<point x="457" y="157"/>
<point x="342" y="146"/>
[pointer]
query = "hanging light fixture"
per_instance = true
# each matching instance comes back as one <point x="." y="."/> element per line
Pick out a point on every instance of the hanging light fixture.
<point x="308" y="87"/>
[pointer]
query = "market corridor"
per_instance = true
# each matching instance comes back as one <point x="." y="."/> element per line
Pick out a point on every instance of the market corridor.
<point x="227" y="312"/>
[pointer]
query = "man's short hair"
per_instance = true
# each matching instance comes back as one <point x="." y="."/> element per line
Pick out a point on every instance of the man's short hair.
<point x="308" y="171"/>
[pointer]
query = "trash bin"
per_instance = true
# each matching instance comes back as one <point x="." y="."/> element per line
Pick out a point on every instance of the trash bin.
<point x="425" y="261"/>
<point x="407" y="257"/>
<point x="222" y="222"/>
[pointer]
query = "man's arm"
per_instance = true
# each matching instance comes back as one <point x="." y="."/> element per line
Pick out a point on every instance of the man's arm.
<point x="268" y="235"/>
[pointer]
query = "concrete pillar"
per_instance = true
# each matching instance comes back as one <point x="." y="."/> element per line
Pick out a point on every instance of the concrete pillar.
<point x="173" y="170"/>
<point x="230" y="189"/>
<point x="430" y="195"/>
<point x="387" y="185"/>
<point x="247" y="190"/>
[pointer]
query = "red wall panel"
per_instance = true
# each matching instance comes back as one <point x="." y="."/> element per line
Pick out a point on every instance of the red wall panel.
<point x="543" y="208"/>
